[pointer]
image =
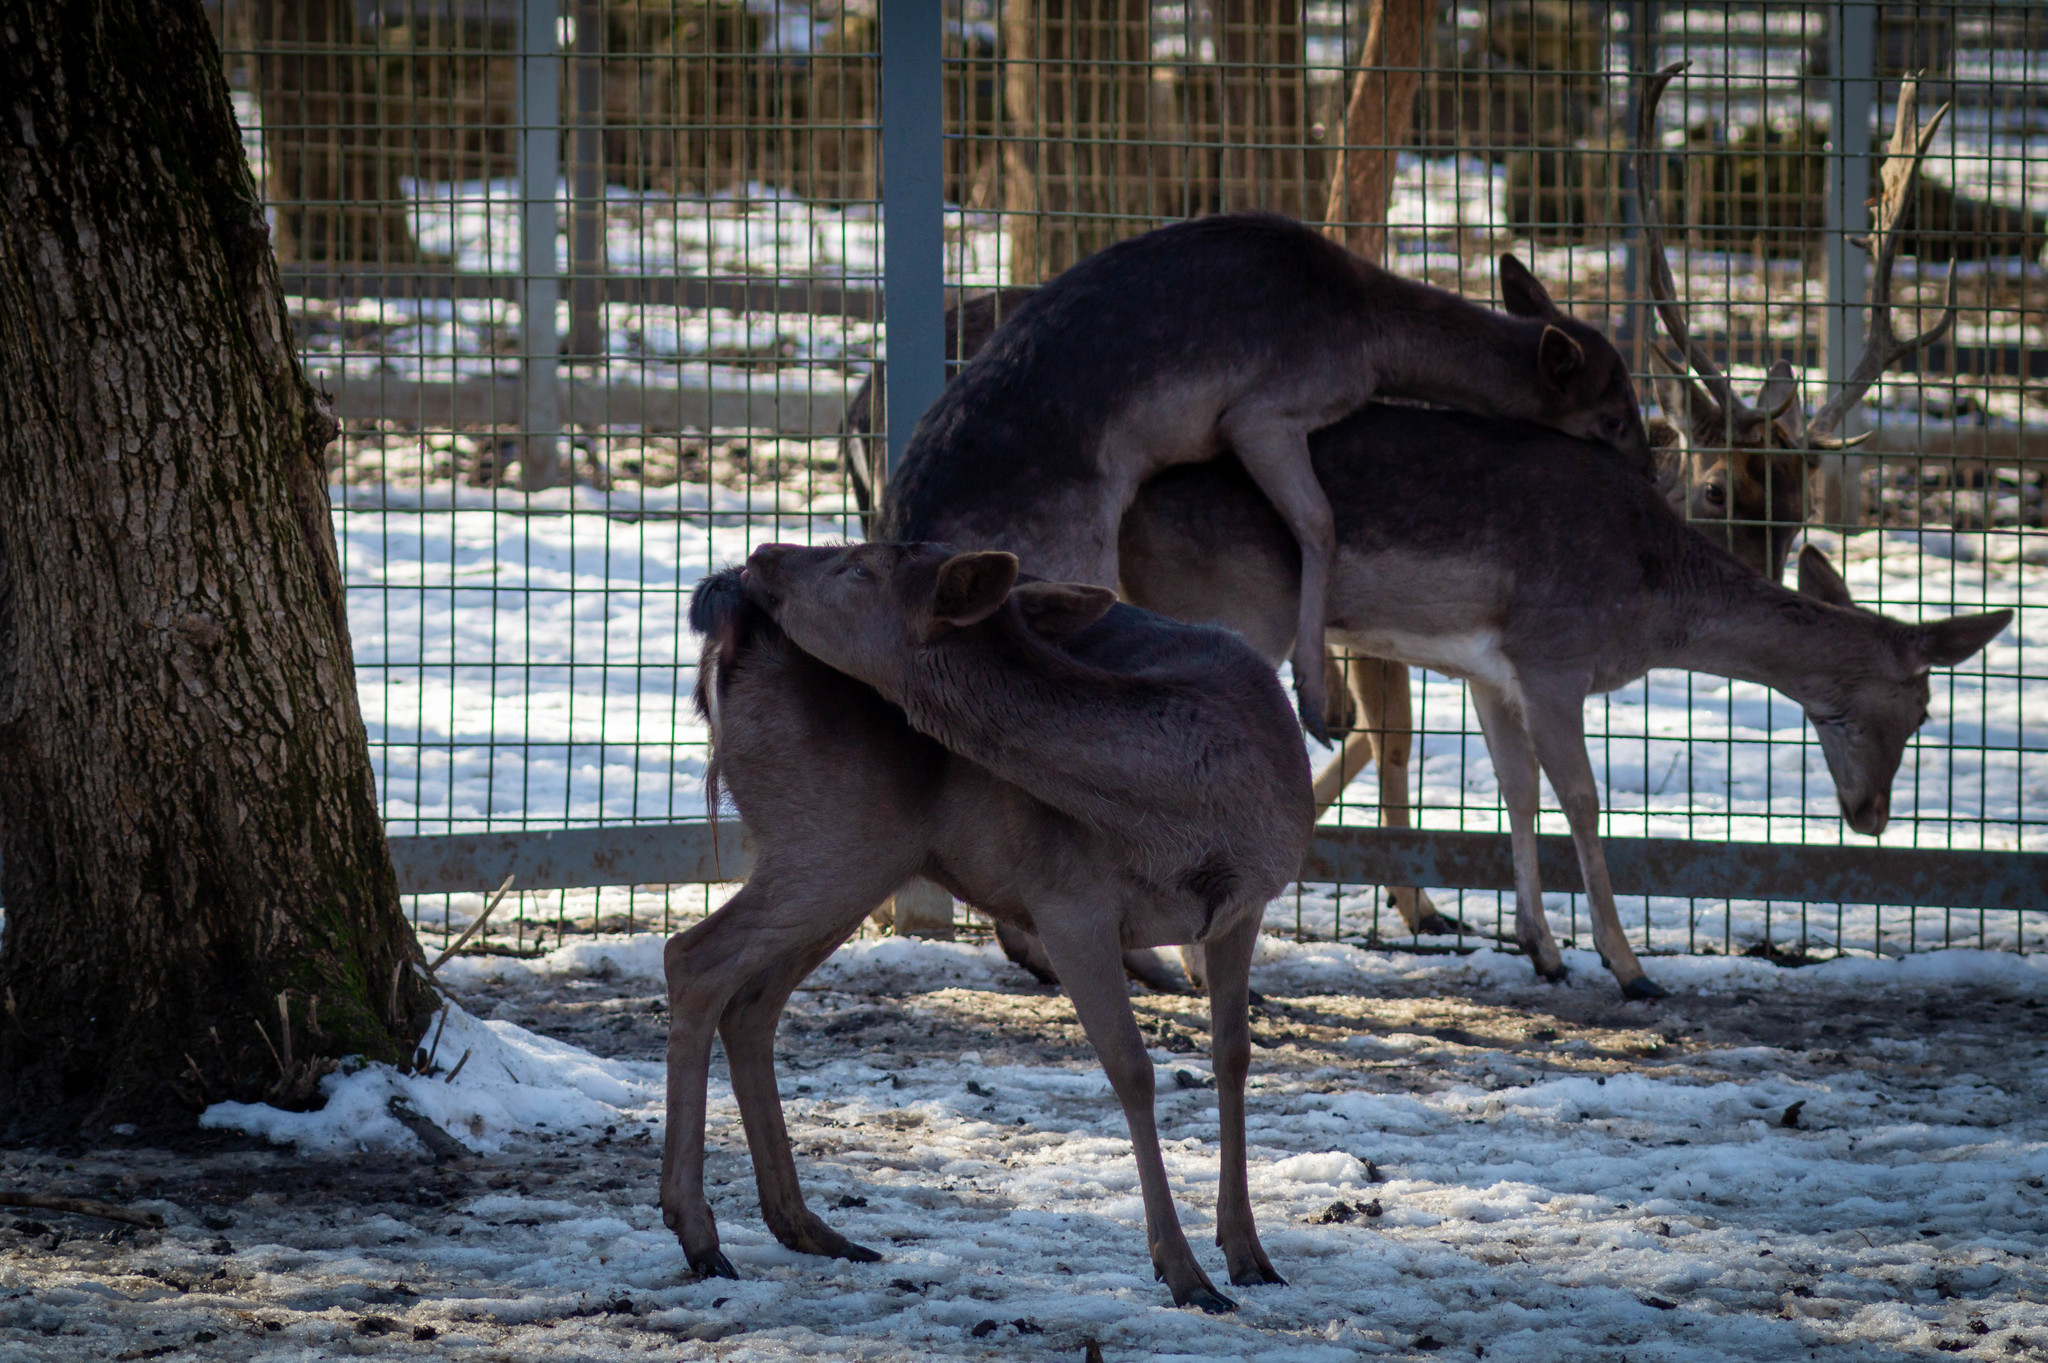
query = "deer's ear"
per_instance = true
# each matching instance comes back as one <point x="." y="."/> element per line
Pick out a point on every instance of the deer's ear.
<point x="1058" y="608"/>
<point x="972" y="587"/>
<point x="1520" y="292"/>
<point x="1948" y="642"/>
<point x="1819" y="580"/>
<point x="1559" y="357"/>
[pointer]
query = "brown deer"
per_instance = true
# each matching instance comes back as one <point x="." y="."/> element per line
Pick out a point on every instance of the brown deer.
<point x="1541" y="571"/>
<point x="1739" y="473"/>
<point x="1090" y="773"/>
<point x="1240" y="333"/>
<point x="1745" y="473"/>
<point x="1378" y="709"/>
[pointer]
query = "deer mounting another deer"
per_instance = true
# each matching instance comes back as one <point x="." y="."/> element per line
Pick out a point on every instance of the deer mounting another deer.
<point x="1238" y="333"/>
<point x="1539" y="570"/>
<point x="1076" y="768"/>
<point x="1742" y="472"/>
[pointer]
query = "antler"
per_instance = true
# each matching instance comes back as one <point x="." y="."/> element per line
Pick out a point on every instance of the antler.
<point x="1662" y="286"/>
<point x="1882" y="348"/>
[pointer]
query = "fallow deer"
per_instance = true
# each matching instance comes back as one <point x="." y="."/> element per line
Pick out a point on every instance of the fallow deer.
<point x="1239" y="333"/>
<point x="1080" y="769"/>
<point x="1540" y="571"/>
<point x="1746" y="473"/>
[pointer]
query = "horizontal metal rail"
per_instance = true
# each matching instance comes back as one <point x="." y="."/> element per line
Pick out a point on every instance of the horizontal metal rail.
<point x="814" y="297"/>
<point x="684" y="854"/>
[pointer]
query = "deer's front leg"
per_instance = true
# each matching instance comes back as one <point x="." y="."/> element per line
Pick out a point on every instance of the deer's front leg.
<point x="1229" y="962"/>
<point x="1274" y="450"/>
<point x="1514" y="766"/>
<point x="1082" y="942"/>
<point x="1557" y="724"/>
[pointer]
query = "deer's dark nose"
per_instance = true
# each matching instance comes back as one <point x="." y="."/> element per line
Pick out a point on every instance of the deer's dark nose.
<point x="1870" y="816"/>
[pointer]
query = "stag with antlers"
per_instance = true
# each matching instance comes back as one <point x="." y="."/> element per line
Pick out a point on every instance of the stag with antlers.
<point x="1742" y="474"/>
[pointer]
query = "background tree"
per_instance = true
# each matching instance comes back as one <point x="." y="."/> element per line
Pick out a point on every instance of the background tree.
<point x="199" y="900"/>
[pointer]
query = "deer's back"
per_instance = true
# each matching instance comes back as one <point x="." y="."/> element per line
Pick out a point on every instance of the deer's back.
<point x="1240" y="299"/>
<point x="1445" y="523"/>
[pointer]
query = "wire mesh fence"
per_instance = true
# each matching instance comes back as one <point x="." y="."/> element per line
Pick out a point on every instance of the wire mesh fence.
<point x="593" y="282"/>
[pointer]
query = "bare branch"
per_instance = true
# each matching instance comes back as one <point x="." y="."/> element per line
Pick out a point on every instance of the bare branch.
<point x="474" y="927"/>
<point x="78" y="1206"/>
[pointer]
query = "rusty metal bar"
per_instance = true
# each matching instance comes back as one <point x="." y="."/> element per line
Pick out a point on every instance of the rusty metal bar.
<point x="681" y="854"/>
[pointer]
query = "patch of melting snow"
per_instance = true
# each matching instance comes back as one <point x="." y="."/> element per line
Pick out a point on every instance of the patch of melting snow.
<point x="1593" y="1206"/>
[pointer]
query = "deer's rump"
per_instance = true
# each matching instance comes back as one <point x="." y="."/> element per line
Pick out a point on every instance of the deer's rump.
<point x="1025" y="420"/>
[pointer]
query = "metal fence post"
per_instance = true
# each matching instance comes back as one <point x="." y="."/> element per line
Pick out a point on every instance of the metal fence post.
<point x="540" y="158"/>
<point x="1852" y="37"/>
<point x="586" y="218"/>
<point x="913" y="215"/>
<point x="913" y="285"/>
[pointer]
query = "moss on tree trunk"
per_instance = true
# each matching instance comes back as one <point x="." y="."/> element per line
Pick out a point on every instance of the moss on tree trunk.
<point x="188" y="823"/>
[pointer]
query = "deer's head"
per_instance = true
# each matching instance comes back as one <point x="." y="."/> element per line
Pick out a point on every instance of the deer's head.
<point x="1581" y="378"/>
<point x="1747" y="474"/>
<point x="868" y="609"/>
<point x="1872" y="713"/>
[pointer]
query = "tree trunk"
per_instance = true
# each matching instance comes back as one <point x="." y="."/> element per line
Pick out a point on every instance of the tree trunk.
<point x="190" y="844"/>
<point x="334" y="171"/>
<point x="1376" y="125"/>
<point x="1262" y="153"/>
<point x="1076" y="167"/>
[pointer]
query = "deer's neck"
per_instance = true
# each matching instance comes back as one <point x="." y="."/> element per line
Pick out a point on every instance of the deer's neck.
<point x="1433" y="346"/>
<point x="1754" y="630"/>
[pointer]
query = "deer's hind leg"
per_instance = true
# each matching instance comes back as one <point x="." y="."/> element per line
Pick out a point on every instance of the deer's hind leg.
<point x="1515" y="768"/>
<point x="1274" y="451"/>
<point x="1082" y="941"/>
<point x="1386" y="715"/>
<point x="1228" y="958"/>
<point x="1557" y="726"/>
<point x="747" y="1027"/>
<point x="775" y="923"/>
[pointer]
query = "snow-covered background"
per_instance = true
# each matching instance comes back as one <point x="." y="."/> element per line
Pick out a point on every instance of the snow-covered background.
<point x="533" y="667"/>
<point x="1447" y="1159"/>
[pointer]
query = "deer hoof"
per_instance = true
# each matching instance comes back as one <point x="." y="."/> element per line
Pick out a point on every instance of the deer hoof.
<point x="1255" y="1274"/>
<point x="813" y="1236"/>
<point x="1312" y="718"/>
<point x="713" y="1264"/>
<point x="1438" y="925"/>
<point x="1643" y="987"/>
<point x="1562" y="973"/>
<point x="1208" y="1298"/>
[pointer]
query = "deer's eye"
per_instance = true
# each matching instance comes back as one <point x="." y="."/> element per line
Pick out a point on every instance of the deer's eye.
<point x="1611" y="425"/>
<point x="1715" y="494"/>
<point x="856" y="570"/>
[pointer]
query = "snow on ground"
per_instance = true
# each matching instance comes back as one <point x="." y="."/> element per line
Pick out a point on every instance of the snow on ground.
<point x="535" y="668"/>
<point x="1844" y="1162"/>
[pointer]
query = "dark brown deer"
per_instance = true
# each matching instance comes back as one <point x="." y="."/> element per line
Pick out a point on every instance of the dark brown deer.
<point x="1081" y="770"/>
<point x="1541" y="571"/>
<point x="1746" y="473"/>
<point x="1238" y="333"/>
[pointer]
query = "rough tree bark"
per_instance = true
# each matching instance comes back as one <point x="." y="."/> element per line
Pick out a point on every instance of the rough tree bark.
<point x="1377" y="121"/>
<point x="188" y="826"/>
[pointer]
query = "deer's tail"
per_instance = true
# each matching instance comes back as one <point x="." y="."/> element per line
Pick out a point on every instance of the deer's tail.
<point x="718" y="610"/>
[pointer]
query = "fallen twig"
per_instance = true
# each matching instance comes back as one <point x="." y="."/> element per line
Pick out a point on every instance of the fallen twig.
<point x="105" y="1211"/>
<point x="442" y="1145"/>
<point x="475" y="926"/>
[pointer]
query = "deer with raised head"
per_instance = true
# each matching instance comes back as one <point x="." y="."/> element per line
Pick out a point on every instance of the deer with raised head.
<point x="1745" y="473"/>
<point x="1090" y="773"/>
<point x="1239" y="333"/>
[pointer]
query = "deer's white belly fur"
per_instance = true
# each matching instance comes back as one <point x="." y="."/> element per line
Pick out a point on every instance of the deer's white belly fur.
<point x="1471" y="655"/>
